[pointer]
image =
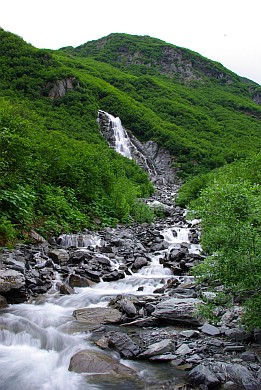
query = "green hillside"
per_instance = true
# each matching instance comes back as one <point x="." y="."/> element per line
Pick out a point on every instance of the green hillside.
<point x="57" y="172"/>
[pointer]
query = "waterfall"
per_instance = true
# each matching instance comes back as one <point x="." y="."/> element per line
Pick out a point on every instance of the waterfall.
<point x="115" y="134"/>
<point x="125" y="143"/>
<point x="122" y="141"/>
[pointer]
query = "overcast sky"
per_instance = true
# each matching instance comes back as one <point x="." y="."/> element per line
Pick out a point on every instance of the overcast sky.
<point x="227" y="31"/>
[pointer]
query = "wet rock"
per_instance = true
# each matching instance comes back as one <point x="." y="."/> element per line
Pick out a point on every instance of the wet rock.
<point x="78" y="281"/>
<point x="140" y="262"/>
<point x="59" y="256"/>
<point x="93" y="362"/>
<point x="141" y="322"/>
<point x="78" y="256"/>
<point x="65" y="289"/>
<point x="112" y="276"/>
<point x="177" y="310"/>
<point x="11" y="280"/>
<point x="249" y="357"/>
<point x="158" y="349"/>
<point x="98" y="315"/>
<point x="93" y="275"/>
<point x="3" y="302"/>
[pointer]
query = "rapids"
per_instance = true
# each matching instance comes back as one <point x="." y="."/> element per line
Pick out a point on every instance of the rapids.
<point x="37" y="340"/>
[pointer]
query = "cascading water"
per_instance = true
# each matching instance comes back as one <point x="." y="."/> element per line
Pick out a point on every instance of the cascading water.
<point x="122" y="142"/>
<point x="37" y="340"/>
<point x="125" y="143"/>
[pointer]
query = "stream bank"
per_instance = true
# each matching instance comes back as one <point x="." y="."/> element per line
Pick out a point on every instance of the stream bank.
<point x="117" y="310"/>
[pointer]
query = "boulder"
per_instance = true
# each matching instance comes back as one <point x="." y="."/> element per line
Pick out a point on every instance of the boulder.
<point x="158" y="348"/>
<point x="128" y="307"/>
<point x="177" y="310"/>
<point x="59" y="256"/>
<point x="238" y="334"/>
<point x="98" y="315"/>
<point x="94" y="362"/>
<point x="210" y="329"/>
<point x="3" y="302"/>
<point x="65" y="289"/>
<point x="11" y="280"/>
<point x="140" y="262"/>
<point x="78" y="281"/>
<point x="213" y="374"/>
<point x="203" y="375"/>
<point x="122" y="343"/>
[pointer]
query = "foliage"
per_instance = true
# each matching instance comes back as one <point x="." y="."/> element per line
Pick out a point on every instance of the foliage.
<point x="58" y="173"/>
<point x="51" y="182"/>
<point x="230" y="209"/>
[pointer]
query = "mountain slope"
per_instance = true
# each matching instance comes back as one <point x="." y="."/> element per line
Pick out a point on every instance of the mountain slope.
<point x="203" y="113"/>
<point x="50" y="141"/>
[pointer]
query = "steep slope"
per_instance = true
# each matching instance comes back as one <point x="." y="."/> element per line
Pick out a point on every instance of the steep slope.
<point x="202" y="112"/>
<point x="51" y="146"/>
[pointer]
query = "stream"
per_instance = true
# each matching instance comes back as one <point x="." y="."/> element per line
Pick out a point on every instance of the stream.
<point x="38" y="339"/>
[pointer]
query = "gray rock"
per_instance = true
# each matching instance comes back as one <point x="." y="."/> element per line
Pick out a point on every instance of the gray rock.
<point x="238" y="334"/>
<point x="202" y="375"/>
<point x="128" y="307"/>
<point x="230" y="385"/>
<point x="93" y="362"/>
<point x="59" y="256"/>
<point x="189" y="333"/>
<point x="224" y="372"/>
<point x="122" y="343"/>
<point x="3" y="302"/>
<point x="98" y="315"/>
<point x="158" y="348"/>
<point x="183" y="350"/>
<point x="78" y="281"/>
<point x="140" y="262"/>
<point x="177" y="310"/>
<point x="210" y="329"/>
<point x="11" y="280"/>
<point x="234" y="348"/>
<point x="65" y="289"/>
<point x="249" y="357"/>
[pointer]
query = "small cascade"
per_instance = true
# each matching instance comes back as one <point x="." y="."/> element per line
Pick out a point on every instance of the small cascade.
<point x="78" y="240"/>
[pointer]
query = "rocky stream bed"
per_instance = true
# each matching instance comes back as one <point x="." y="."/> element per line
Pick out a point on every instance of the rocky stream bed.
<point x="117" y="309"/>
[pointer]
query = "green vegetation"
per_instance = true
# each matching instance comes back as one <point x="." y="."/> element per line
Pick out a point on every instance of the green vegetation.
<point x="229" y="202"/>
<point x="57" y="173"/>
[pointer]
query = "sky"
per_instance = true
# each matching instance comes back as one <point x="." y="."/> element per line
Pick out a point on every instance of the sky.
<point x="227" y="31"/>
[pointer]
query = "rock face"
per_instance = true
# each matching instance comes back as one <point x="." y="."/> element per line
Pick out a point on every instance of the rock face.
<point x="149" y="156"/>
<point x="59" y="88"/>
<point x="94" y="362"/>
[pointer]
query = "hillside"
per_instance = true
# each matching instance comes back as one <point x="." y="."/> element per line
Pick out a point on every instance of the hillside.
<point x="58" y="173"/>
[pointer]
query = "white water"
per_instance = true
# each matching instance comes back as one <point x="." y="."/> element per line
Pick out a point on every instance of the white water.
<point x="35" y="340"/>
<point x="122" y="142"/>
